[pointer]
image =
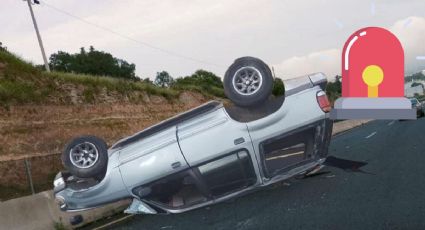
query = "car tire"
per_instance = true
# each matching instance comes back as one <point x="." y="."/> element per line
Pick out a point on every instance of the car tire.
<point x="86" y="157"/>
<point x="248" y="82"/>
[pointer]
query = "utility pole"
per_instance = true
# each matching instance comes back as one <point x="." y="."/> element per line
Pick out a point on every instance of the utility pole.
<point x="40" y="42"/>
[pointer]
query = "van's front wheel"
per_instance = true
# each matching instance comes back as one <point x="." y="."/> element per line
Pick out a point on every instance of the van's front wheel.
<point x="86" y="157"/>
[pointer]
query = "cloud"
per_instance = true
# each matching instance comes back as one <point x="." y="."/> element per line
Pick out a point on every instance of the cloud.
<point x="410" y="31"/>
<point x="189" y="28"/>
<point x="279" y="32"/>
<point x="326" y="61"/>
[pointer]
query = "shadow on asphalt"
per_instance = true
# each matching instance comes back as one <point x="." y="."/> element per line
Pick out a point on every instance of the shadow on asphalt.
<point x="346" y="165"/>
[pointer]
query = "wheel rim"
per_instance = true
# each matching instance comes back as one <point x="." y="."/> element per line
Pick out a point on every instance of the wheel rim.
<point x="247" y="80"/>
<point x="84" y="155"/>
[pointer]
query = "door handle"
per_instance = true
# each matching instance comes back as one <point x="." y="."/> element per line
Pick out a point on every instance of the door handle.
<point x="239" y="141"/>
<point x="176" y="165"/>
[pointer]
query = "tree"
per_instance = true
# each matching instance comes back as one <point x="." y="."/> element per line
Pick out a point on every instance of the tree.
<point x="416" y="84"/>
<point x="415" y="76"/>
<point x="201" y="78"/>
<point x="333" y="89"/>
<point x="62" y="61"/>
<point x="147" y="80"/>
<point x="93" y="62"/>
<point x="2" y="48"/>
<point x="163" y="79"/>
<point x="278" y="87"/>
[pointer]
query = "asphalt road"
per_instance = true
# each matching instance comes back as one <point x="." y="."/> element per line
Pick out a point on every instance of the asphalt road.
<point x="374" y="180"/>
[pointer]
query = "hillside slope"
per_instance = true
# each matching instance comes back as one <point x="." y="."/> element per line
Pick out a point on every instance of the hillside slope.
<point x="41" y="111"/>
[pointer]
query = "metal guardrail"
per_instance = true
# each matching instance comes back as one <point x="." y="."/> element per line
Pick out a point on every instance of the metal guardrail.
<point x="29" y="176"/>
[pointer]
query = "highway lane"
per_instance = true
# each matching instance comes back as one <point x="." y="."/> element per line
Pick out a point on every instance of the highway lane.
<point x="375" y="180"/>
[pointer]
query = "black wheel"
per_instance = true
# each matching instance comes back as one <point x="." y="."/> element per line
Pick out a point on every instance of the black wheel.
<point x="248" y="82"/>
<point x="86" y="157"/>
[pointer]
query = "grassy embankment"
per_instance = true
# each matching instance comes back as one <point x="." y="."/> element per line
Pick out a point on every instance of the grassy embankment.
<point x="21" y="83"/>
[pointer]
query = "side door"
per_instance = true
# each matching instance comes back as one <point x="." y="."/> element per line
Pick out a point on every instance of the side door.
<point x="151" y="158"/>
<point x="286" y="139"/>
<point x="220" y="153"/>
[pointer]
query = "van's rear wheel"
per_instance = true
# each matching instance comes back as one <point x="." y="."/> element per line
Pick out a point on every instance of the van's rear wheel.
<point x="86" y="157"/>
<point x="248" y="81"/>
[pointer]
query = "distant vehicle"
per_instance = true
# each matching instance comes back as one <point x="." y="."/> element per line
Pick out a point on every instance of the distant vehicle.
<point x="208" y="154"/>
<point x="420" y="107"/>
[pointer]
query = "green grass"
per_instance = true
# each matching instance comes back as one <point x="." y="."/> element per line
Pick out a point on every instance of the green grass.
<point x="210" y="91"/>
<point x="22" y="83"/>
<point x="16" y="91"/>
<point x="59" y="226"/>
<point x="16" y="63"/>
<point x="111" y="84"/>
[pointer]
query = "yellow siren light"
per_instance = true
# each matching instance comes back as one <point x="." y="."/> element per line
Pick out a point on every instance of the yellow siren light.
<point x="373" y="77"/>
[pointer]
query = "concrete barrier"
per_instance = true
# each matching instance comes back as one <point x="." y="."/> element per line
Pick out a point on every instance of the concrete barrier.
<point x="39" y="211"/>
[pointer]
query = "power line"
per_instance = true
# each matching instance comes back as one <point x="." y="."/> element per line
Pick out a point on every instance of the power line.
<point x="130" y="38"/>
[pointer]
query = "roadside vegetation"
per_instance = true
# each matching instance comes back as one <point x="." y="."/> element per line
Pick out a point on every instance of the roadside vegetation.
<point x="415" y="76"/>
<point x="95" y="72"/>
<point x="22" y="83"/>
<point x="92" y="62"/>
<point x="333" y="89"/>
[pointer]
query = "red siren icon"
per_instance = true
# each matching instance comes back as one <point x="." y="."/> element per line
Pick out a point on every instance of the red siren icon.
<point x="373" y="78"/>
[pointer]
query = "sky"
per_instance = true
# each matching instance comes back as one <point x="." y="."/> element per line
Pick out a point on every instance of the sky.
<point x="294" y="37"/>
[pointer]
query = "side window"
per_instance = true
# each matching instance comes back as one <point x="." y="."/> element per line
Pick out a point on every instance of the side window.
<point x="193" y="186"/>
<point x="228" y="174"/>
<point x="175" y="191"/>
<point x="282" y="153"/>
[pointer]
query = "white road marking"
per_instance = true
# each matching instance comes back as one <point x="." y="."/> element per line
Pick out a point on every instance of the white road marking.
<point x="371" y="135"/>
<point x="391" y="123"/>
<point x="420" y="58"/>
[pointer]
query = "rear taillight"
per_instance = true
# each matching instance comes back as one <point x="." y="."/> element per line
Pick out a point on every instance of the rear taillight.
<point x="323" y="101"/>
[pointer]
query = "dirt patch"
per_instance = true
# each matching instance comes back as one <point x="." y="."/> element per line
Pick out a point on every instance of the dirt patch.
<point x="2" y="65"/>
<point x="31" y="130"/>
<point x="38" y="133"/>
<point x="191" y="99"/>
